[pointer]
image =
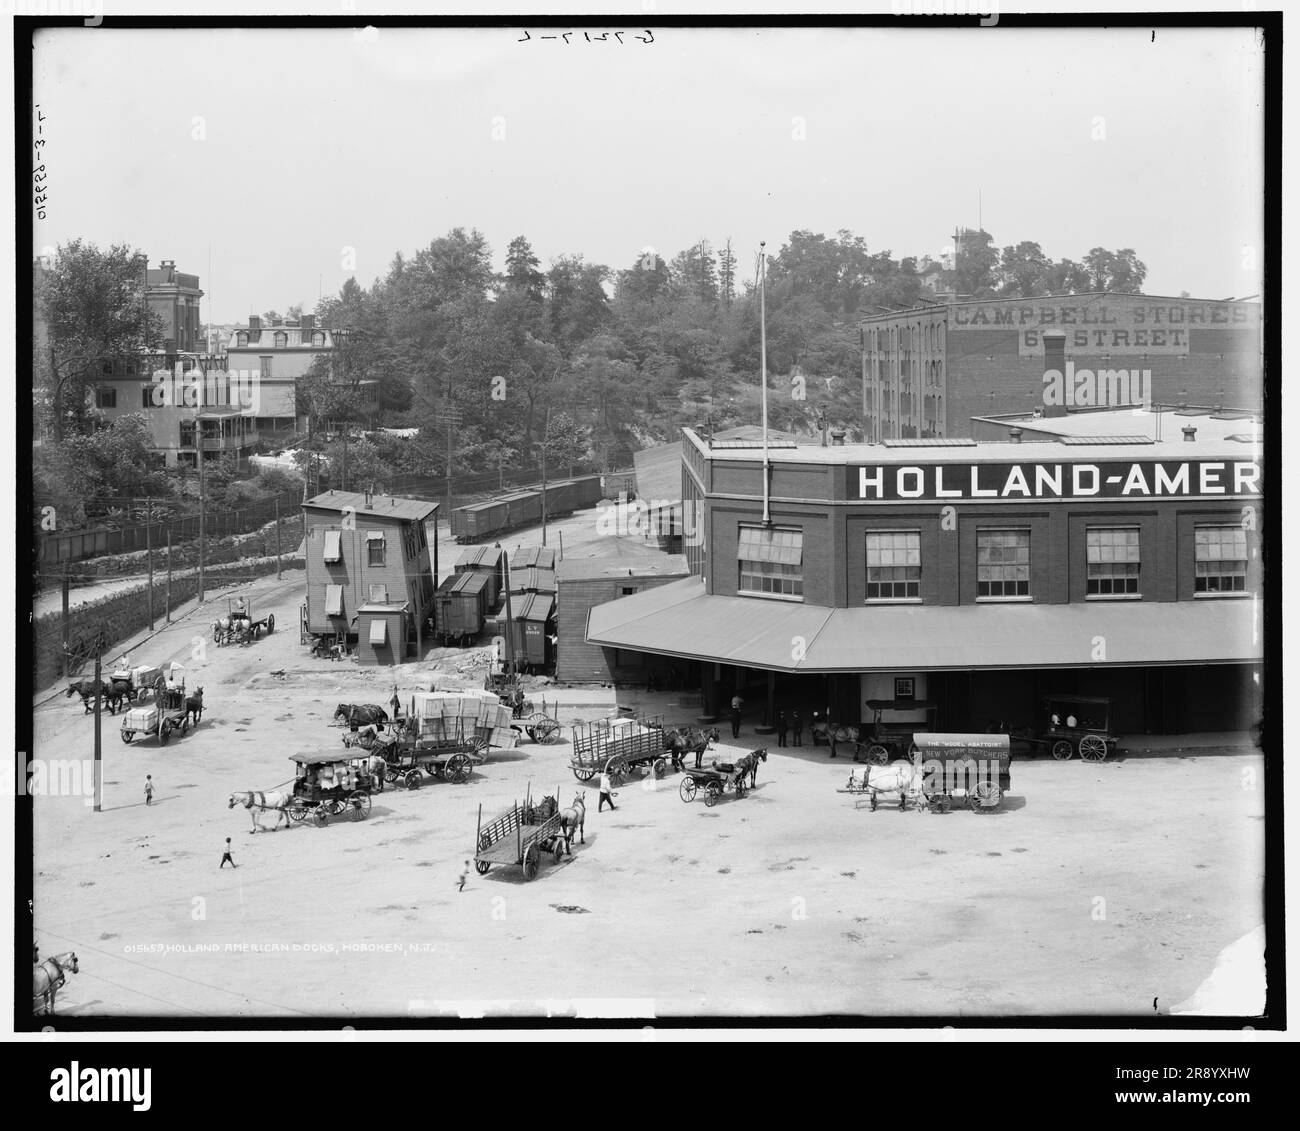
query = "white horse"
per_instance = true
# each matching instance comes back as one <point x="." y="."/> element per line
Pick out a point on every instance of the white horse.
<point x="221" y="629"/>
<point x="575" y="817"/>
<point x="257" y="802"/>
<point x="899" y="777"/>
<point x="48" y="979"/>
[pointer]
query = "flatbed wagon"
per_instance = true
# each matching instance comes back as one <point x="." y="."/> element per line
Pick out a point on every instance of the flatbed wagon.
<point x="616" y="746"/>
<point x="162" y="718"/>
<point x="449" y="752"/>
<point x="520" y="836"/>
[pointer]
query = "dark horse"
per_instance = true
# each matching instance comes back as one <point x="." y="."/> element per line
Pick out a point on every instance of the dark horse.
<point x="688" y="740"/>
<point x="360" y="714"/>
<point x="194" y="706"/>
<point x="748" y="764"/>
<point x="112" y="694"/>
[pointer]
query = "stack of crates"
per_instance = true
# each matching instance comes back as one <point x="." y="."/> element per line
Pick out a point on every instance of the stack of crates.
<point x="446" y="715"/>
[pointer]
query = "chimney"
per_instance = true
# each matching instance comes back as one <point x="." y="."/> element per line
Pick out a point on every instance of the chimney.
<point x="1054" y="358"/>
<point x="1015" y="435"/>
<point x="254" y="322"/>
<point x="308" y="324"/>
<point x="837" y="437"/>
<point x="1189" y="433"/>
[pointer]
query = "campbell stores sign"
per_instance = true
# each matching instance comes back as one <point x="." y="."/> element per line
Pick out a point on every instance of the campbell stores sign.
<point x="1031" y="480"/>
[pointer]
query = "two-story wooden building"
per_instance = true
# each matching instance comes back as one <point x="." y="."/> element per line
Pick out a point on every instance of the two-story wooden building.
<point x="372" y="567"/>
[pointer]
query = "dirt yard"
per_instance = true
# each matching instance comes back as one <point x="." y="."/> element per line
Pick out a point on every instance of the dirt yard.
<point x="1104" y="889"/>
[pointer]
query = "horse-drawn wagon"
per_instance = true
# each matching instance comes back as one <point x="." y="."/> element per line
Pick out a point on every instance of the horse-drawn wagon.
<point x="329" y="787"/>
<point x="238" y="626"/>
<point x="520" y="835"/>
<point x="615" y="746"/>
<point x="977" y="766"/>
<point x="713" y="781"/>
<point x="894" y="724"/>
<point x="136" y="684"/>
<point x="445" y="749"/>
<point x="169" y="713"/>
<point x="1078" y="723"/>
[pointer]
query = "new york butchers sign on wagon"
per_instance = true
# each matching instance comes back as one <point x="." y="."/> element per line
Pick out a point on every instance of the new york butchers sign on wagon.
<point x="1031" y="480"/>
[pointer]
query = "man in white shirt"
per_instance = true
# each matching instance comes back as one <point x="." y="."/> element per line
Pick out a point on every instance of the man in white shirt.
<point x="606" y="792"/>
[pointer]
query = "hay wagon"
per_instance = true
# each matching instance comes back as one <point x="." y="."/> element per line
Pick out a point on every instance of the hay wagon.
<point x="520" y="835"/>
<point x="615" y="746"/>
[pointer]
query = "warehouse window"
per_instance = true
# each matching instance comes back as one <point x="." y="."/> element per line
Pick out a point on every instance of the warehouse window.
<point x="1220" y="559"/>
<point x="264" y="364"/>
<point x="379" y="594"/>
<point x="106" y="398"/>
<point x="1002" y="563"/>
<point x="1113" y="562"/>
<point x="375" y="547"/>
<point x="893" y="565"/>
<point x="771" y="562"/>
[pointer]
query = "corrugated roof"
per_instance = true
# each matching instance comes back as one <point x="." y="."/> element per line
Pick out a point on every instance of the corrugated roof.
<point x="480" y="558"/>
<point x="381" y="506"/>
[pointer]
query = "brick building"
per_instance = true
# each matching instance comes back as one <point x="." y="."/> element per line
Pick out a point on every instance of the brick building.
<point x="926" y="372"/>
<point x="984" y="576"/>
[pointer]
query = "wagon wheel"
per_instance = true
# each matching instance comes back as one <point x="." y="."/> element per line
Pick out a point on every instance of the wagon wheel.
<point x="532" y="858"/>
<point x="270" y="624"/>
<point x="164" y="733"/>
<point x="127" y="735"/>
<point x="984" y="791"/>
<point x="321" y="816"/>
<point x="390" y="774"/>
<point x="484" y="841"/>
<point x="1092" y="748"/>
<point x="877" y="755"/>
<point x="940" y="803"/>
<point x="740" y="789"/>
<point x="185" y="727"/>
<point x="712" y="793"/>
<point x="159" y="686"/>
<point x="618" y="770"/>
<point x="541" y="728"/>
<point x="584" y="773"/>
<point x="557" y="852"/>
<point x="359" y="802"/>
<point x="458" y="769"/>
<point x="687" y="789"/>
<point x="1062" y="749"/>
<point x="661" y="767"/>
<point x="412" y="779"/>
<point x="478" y="745"/>
<point x="295" y="812"/>
<point x="481" y="867"/>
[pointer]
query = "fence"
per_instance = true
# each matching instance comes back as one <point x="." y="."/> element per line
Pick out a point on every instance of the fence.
<point x="74" y="547"/>
<point x="123" y="615"/>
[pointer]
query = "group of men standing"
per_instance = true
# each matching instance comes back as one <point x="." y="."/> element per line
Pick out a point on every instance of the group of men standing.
<point x="783" y="725"/>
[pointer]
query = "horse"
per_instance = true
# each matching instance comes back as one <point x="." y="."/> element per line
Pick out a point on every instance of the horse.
<point x="898" y="777"/>
<point x="831" y="734"/>
<point x="258" y="801"/>
<point x="574" y="817"/>
<point x="194" y="706"/>
<point x="748" y="764"/>
<point x="687" y="740"/>
<point x="359" y="714"/>
<point x="48" y="978"/>
<point x="221" y="629"/>
<point x="86" y="689"/>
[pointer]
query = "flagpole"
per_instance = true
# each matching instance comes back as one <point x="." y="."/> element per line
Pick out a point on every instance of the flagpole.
<point x="762" y="324"/>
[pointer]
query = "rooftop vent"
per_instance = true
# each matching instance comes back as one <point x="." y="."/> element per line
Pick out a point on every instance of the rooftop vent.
<point x="1189" y="433"/>
<point x="837" y="437"/>
<point x="1016" y="433"/>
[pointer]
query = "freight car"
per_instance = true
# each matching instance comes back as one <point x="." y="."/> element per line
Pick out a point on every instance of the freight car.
<point x="521" y="508"/>
<point x="461" y="604"/>
<point x="487" y="561"/>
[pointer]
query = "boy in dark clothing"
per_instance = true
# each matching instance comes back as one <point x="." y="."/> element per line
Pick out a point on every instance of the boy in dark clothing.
<point x="226" y="856"/>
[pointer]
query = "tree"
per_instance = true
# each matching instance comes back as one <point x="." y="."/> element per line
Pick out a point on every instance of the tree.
<point x="1120" y="271"/>
<point x="522" y="269"/>
<point x="976" y="264"/>
<point x="727" y="274"/>
<point x="95" y="314"/>
<point x="1023" y="271"/>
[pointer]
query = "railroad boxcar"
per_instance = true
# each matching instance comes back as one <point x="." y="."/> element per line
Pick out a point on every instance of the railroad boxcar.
<point x="461" y="604"/>
<point x="530" y="579"/>
<point x="539" y="557"/>
<point x="487" y="561"/>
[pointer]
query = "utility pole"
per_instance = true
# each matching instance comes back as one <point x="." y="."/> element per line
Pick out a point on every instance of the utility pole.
<point x="167" y="600"/>
<point x="277" y="538"/>
<point x="65" y="620"/>
<point x="148" y="545"/>
<point x="203" y="532"/>
<point x="99" y="698"/>
<point x="544" y="444"/>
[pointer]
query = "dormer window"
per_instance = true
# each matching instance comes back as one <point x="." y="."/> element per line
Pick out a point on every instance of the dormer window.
<point x="281" y="339"/>
<point x="318" y="338"/>
<point x="241" y="339"/>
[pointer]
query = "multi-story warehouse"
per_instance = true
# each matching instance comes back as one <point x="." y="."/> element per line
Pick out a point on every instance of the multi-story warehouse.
<point x="372" y="565"/>
<point x="927" y="371"/>
<point x="980" y="576"/>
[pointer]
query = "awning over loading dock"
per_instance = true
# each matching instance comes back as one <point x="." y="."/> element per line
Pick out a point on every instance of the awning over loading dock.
<point x="680" y="619"/>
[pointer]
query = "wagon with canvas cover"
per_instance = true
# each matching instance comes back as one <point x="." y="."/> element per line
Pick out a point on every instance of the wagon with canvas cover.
<point x="329" y="787"/>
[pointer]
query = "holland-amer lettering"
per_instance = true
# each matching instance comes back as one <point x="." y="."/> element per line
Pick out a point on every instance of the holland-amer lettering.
<point x="1132" y="479"/>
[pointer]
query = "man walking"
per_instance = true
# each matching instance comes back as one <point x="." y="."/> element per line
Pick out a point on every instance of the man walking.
<point x="736" y="703"/>
<point x="781" y="727"/>
<point x="148" y="789"/>
<point x="226" y="856"/>
<point x="606" y="792"/>
<point x="798" y="729"/>
<point x="464" y="875"/>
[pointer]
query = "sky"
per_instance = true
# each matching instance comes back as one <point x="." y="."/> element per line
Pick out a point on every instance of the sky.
<point x="275" y="163"/>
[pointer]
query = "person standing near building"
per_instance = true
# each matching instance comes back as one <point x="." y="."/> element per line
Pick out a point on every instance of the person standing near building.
<point x="736" y="703"/>
<point x="226" y="856"/>
<point x="148" y="789"/>
<point x="798" y="728"/>
<point x="781" y="727"/>
<point x="606" y="792"/>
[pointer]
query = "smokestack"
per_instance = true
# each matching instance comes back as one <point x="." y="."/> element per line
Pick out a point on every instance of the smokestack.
<point x="1054" y="358"/>
<point x="1189" y="433"/>
<point x="1015" y="435"/>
